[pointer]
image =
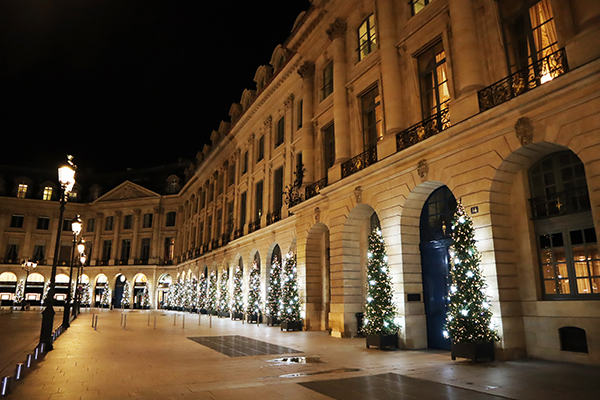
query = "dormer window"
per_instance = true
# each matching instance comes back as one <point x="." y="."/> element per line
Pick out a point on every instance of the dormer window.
<point x="173" y="184"/>
<point x="22" y="190"/>
<point x="47" y="194"/>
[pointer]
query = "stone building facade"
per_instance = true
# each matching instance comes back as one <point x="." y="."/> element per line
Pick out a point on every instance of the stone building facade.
<point x="386" y="113"/>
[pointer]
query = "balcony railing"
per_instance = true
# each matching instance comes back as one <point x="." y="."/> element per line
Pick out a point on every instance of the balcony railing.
<point x="514" y="85"/>
<point x="423" y="130"/>
<point x="563" y="203"/>
<point x="273" y="217"/>
<point x="359" y="162"/>
<point x="254" y="226"/>
<point x="315" y="188"/>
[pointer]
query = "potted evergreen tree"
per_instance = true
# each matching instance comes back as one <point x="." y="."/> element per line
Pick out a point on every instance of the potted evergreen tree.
<point x="202" y="294"/>
<point x="237" y="305"/>
<point x="380" y="322"/>
<point x="468" y="323"/>
<point x="290" y="299"/>
<point x="253" y="307"/>
<point x="274" y="293"/>
<point x="224" y="294"/>
<point x="212" y="293"/>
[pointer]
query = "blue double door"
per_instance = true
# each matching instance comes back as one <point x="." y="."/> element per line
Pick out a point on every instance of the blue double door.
<point x="435" y="223"/>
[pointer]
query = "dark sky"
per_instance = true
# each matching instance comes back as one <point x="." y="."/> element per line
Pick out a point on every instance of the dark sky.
<point x="127" y="83"/>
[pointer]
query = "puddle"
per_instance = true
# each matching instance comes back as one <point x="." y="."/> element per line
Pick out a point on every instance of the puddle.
<point x="295" y="360"/>
<point x="331" y="371"/>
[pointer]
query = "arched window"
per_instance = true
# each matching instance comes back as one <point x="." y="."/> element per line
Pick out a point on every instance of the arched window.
<point x="566" y="236"/>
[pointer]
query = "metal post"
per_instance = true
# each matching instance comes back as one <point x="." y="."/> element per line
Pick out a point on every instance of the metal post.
<point x="29" y="360"/>
<point x="5" y="385"/>
<point x="19" y="371"/>
<point x="199" y="315"/>
<point x="96" y="323"/>
<point x="93" y="316"/>
<point x="67" y="308"/>
<point x="155" y="322"/>
<point x="125" y="323"/>
<point x="174" y="319"/>
<point x="210" y="320"/>
<point x="183" y="322"/>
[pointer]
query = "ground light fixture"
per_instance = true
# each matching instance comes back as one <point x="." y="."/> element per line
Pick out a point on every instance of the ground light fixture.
<point x="66" y="178"/>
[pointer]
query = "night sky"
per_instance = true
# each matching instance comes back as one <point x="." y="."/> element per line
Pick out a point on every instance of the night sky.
<point x="127" y="83"/>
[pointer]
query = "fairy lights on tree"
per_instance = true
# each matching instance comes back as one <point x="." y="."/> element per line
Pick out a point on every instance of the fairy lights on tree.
<point x="274" y="291"/>
<point x="212" y="292"/>
<point x="126" y="295"/>
<point x="290" y="300"/>
<point x="380" y="317"/>
<point x="469" y="310"/>
<point x="202" y="299"/>
<point x="106" y="296"/>
<point x="224" y="292"/>
<point x="253" y="307"/>
<point x="237" y="305"/>
<point x="145" y="300"/>
<point x="19" y="293"/>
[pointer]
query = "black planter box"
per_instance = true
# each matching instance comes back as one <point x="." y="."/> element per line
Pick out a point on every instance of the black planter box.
<point x="213" y="312"/>
<point x="382" y="341"/>
<point x="252" y="318"/>
<point x="291" y="326"/>
<point x="203" y="311"/>
<point x="474" y="351"/>
<point x="272" y="321"/>
<point x="235" y="316"/>
<point x="223" y="314"/>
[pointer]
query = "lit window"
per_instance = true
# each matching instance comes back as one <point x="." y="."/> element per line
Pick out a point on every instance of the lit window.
<point x="418" y="5"/>
<point x="47" y="193"/>
<point x="372" y="116"/>
<point x="367" y="39"/>
<point x="327" y="80"/>
<point x="22" y="191"/>
<point x="433" y="76"/>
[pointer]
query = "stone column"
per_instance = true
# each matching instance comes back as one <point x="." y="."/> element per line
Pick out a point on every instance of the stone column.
<point x="341" y="118"/>
<point x="156" y="244"/>
<point x="95" y="256"/>
<point x="307" y="72"/>
<point x="390" y="71"/>
<point x="134" y="239"/>
<point x="116" y="245"/>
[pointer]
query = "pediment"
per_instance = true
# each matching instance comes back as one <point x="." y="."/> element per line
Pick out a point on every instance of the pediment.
<point x="128" y="191"/>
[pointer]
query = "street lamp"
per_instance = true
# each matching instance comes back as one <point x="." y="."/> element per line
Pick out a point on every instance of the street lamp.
<point x="76" y="226"/>
<point x="66" y="177"/>
<point x="82" y="259"/>
<point x="28" y="266"/>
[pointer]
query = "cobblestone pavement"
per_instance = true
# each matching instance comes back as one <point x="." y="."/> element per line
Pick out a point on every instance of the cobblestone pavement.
<point x="126" y="357"/>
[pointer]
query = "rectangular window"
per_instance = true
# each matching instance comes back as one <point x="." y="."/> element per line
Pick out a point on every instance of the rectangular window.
<point x="300" y="114"/>
<point x="327" y="80"/>
<point x="128" y="222"/>
<point x="67" y="225"/>
<point x="169" y="249"/>
<point x="433" y="78"/>
<point x="43" y="223"/>
<point x="47" y="195"/>
<point x="418" y="5"/>
<point x="109" y="223"/>
<point x="280" y="132"/>
<point x="202" y="197"/>
<point x="230" y="216"/>
<point x="329" y="147"/>
<point x="91" y="225"/>
<point x="39" y="252"/>
<point x="277" y="190"/>
<point x="299" y="173"/>
<point x="209" y="226"/>
<point x="243" y="201"/>
<point x="245" y="163"/>
<point x="211" y="192"/>
<point x="171" y="218"/>
<point x="372" y="115"/>
<point x="260" y="154"/>
<point x="220" y="184"/>
<point x="258" y="210"/>
<point x="367" y="38"/>
<point x="145" y="250"/>
<point x="147" y="222"/>
<point x="106" y="250"/>
<point x="16" y="221"/>
<point x="12" y="251"/>
<point x="231" y="174"/>
<point x="219" y="223"/>
<point x="125" y="250"/>
<point x="22" y="191"/>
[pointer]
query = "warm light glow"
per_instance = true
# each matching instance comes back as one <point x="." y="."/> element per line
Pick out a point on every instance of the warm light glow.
<point x="76" y="225"/>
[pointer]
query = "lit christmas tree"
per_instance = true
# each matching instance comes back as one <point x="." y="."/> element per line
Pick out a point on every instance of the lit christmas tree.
<point x="253" y="305"/>
<point x="469" y="310"/>
<point x="289" y="304"/>
<point x="224" y="292"/>
<point x="106" y="296"/>
<point x="274" y="291"/>
<point x="145" y="300"/>
<point x="380" y="317"/>
<point x="212" y="292"/>
<point x="46" y="290"/>
<point x="202" y="292"/>
<point x="19" y="293"/>
<point x="126" y="295"/>
<point x="85" y="294"/>
<point x="237" y="305"/>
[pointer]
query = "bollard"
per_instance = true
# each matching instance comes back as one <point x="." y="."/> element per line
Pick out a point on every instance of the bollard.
<point x="96" y="323"/>
<point x="125" y="322"/>
<point x="36" y="353"/>
<point x="29" y="360"/>
<point x="210" y="320"/>
<point x="199" y="315"/>
<point x="155" y="322"/>
<point x="93" y="315"/>
<point x="174" y="319"/>
<point x="122" y="319"/>
<point x="6" y="385"/>
<point x="183" y="323"/>
<point x="19" y="371"/>
<point x="42" y="347"/>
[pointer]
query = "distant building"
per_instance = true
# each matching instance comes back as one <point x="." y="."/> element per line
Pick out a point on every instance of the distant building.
<point x="383" y="113"/>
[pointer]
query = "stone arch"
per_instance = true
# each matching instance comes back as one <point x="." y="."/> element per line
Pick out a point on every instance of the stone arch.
<point x="318" y="278"/>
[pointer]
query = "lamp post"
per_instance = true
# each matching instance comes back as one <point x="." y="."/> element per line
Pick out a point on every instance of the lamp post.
<point x="82" y="258"/>
<point x="66" y="177"/>
<point x="28" y="266"/>
<point x="76" y="226"/>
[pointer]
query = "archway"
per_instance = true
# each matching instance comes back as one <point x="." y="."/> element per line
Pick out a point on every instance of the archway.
<point x="164" y="282"/>
<point x="61" y="287"/>
<point x="35" y="288"/>
<point x="101" y="285"/>
<point x="8" y="286"/>
<point x="140" y="283"/>
<point x="434" y="227"/>
<point x="117" y="299"/>
<point x="318" y="278"/>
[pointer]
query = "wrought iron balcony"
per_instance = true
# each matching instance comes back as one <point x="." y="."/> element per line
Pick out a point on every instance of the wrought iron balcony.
<point x="273" y="217"/>
<point x="423" y="130"/>
<point x="315" y="188"/>
<point x="536" y="74"/>
<point x="254" y="226"/>
<point x="359" y="162"/>
<point x="563" y="203"/>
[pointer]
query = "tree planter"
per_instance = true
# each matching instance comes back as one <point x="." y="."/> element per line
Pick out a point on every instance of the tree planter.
<point x="213" y="312"/>
<point x="238" y="316"/>
<point x="272" y="321"/>
<point x="251" y="318"/>
<point x="473" y="350"/>
<point x="203" y="311"/>
<point x="382" y="341"/>
<point x="223" y="314"/>
<point x="291" y="326"/>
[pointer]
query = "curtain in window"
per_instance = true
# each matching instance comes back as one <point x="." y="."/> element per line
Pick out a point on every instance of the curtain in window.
<point x="544" y="31"/>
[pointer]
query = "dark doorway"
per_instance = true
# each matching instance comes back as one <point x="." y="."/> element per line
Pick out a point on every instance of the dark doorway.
<point x="435" y="223"/>
<point x="118" y="295"/>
